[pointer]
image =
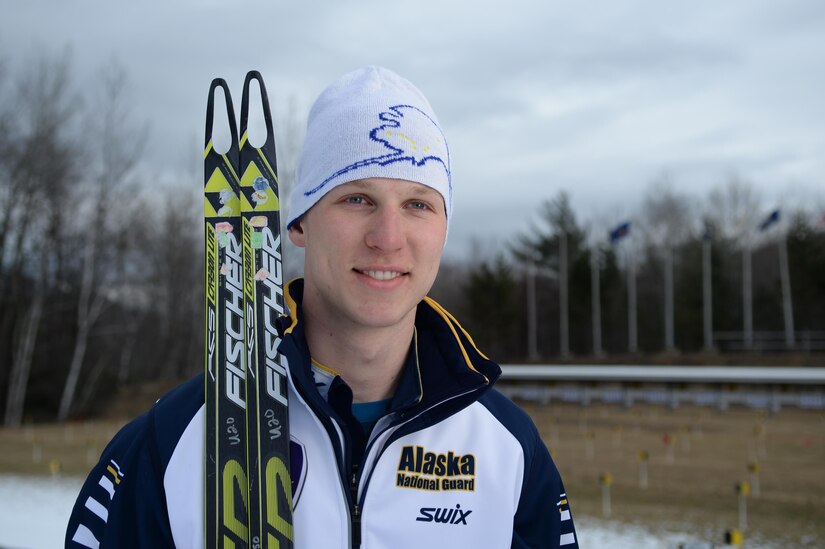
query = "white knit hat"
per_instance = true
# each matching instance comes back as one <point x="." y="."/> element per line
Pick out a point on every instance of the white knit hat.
<point x="370" y="123"/>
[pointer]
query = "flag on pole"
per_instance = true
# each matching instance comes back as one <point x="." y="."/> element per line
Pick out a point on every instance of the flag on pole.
<point x="770" y="220"/>
<point x="621" y="231"/>
<point x="707" y="231"/>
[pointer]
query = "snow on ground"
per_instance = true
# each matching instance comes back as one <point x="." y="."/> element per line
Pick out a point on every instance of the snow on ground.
<point x="34" y="512"/>
<point x="597" y="534"/>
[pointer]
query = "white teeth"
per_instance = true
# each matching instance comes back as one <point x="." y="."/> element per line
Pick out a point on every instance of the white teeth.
<point x="382" y="275"/>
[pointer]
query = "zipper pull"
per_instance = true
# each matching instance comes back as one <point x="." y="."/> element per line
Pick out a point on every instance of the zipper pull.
<point x="356" y="527"/>
<point x="353" y="485"/>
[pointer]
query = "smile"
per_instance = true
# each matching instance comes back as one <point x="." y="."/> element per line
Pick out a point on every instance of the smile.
<point x="381" y="275"/>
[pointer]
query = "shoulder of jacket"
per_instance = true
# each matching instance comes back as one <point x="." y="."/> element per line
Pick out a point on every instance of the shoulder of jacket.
<point x="172" y="414"/>
<point x="513" y="418"/>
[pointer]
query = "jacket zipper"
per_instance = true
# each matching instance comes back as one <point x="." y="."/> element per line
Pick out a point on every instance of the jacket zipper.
<point x="355" y="510"/>
<point x="355" y="513"/>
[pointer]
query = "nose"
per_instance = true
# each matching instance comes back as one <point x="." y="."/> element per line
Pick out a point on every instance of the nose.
<point x="386" y="230"/>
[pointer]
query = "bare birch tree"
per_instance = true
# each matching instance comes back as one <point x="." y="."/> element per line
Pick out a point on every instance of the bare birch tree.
<point x="116" y="148"/>
<point x="668" y="219"/>
<point x="41" y="160"/>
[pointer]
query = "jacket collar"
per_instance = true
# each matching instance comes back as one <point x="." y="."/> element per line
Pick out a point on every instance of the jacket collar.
<point x="443" y="360"/>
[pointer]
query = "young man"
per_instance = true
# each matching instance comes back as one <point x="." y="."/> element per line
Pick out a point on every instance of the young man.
<point x="403" y="442"/>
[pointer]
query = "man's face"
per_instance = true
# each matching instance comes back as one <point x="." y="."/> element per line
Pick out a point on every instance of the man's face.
<point x="373" y="247"/>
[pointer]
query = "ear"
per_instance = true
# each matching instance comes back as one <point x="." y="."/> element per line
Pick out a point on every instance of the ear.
<point x="296" y="234"/>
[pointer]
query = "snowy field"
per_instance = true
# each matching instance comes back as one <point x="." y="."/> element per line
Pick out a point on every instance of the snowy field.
<point x="34" y="512"/>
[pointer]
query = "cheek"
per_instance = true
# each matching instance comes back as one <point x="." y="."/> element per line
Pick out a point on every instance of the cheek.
<point x="433" y="240"/>
<point x="327" y="252"/>
<point x="430" y="251"/>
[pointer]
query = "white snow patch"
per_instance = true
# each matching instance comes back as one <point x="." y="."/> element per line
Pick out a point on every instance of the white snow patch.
<point x="34" y="511"/>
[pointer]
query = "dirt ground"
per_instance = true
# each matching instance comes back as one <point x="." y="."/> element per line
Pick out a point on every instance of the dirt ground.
<point x="696" y="457"/>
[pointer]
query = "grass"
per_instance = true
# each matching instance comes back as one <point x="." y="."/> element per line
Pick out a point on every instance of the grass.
<point x="691" y="480"/>
<point x="70" y="449"/>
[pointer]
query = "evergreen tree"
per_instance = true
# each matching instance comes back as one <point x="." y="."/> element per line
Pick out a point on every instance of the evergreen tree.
<point x="492" y="297"/>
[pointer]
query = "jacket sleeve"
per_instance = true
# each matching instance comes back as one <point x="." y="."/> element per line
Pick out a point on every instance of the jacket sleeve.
<point x="543" y="519"/>
<point x="122" y="503"/>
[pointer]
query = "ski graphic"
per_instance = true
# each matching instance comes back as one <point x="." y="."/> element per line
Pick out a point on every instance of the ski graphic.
<point x="270" y="487"/>
<point x="226" y="490"/>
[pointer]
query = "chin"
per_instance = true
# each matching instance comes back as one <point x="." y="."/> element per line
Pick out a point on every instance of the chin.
<point x="384" y="317"/>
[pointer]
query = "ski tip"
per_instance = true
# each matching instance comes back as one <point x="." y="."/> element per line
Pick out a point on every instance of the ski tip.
<point x="230" y="116"/>
<point x="269" y="142"/>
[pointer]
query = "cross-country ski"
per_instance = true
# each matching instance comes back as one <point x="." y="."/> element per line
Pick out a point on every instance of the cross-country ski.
<point x="270" y="488"/>
<point x="226" y="488"/>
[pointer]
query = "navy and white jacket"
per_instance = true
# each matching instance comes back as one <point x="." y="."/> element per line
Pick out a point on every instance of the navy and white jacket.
<point x="453" y="463"/>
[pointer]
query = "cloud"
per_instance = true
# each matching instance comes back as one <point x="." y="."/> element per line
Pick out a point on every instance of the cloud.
<point x="596" y="97"/>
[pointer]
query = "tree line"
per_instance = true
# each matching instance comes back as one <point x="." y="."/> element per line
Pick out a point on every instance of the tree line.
<point x="101" y="282"/>
<point x="669" y="227"/>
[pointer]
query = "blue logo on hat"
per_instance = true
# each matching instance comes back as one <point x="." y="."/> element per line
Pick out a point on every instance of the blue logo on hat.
<point x="402" y="124"/>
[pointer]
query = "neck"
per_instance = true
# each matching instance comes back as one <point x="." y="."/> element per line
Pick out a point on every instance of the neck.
<point x="370" y="360"/>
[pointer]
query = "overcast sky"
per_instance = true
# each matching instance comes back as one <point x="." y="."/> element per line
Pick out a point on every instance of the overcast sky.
<point x="596" y="98"/>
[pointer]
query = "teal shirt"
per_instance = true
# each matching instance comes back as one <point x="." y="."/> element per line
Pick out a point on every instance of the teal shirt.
<point x="368" y="413"/>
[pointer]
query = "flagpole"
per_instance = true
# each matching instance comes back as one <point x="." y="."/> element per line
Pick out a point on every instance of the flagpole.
<point x="564" y="327"/>
<point x="670" y="345"/>
<point x="747" y="309"/>
<point x="616" y="235"/>
<point x="532" y="348"/>
<point x="784" y="276"/>
<point x="595" y="298"/>
<point x="707" y="293"/>
<point x="632" y="339"/>
<point x="787" y="304"/>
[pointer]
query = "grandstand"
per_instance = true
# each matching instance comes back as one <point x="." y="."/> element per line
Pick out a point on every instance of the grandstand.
<point x="770" y="388"/>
